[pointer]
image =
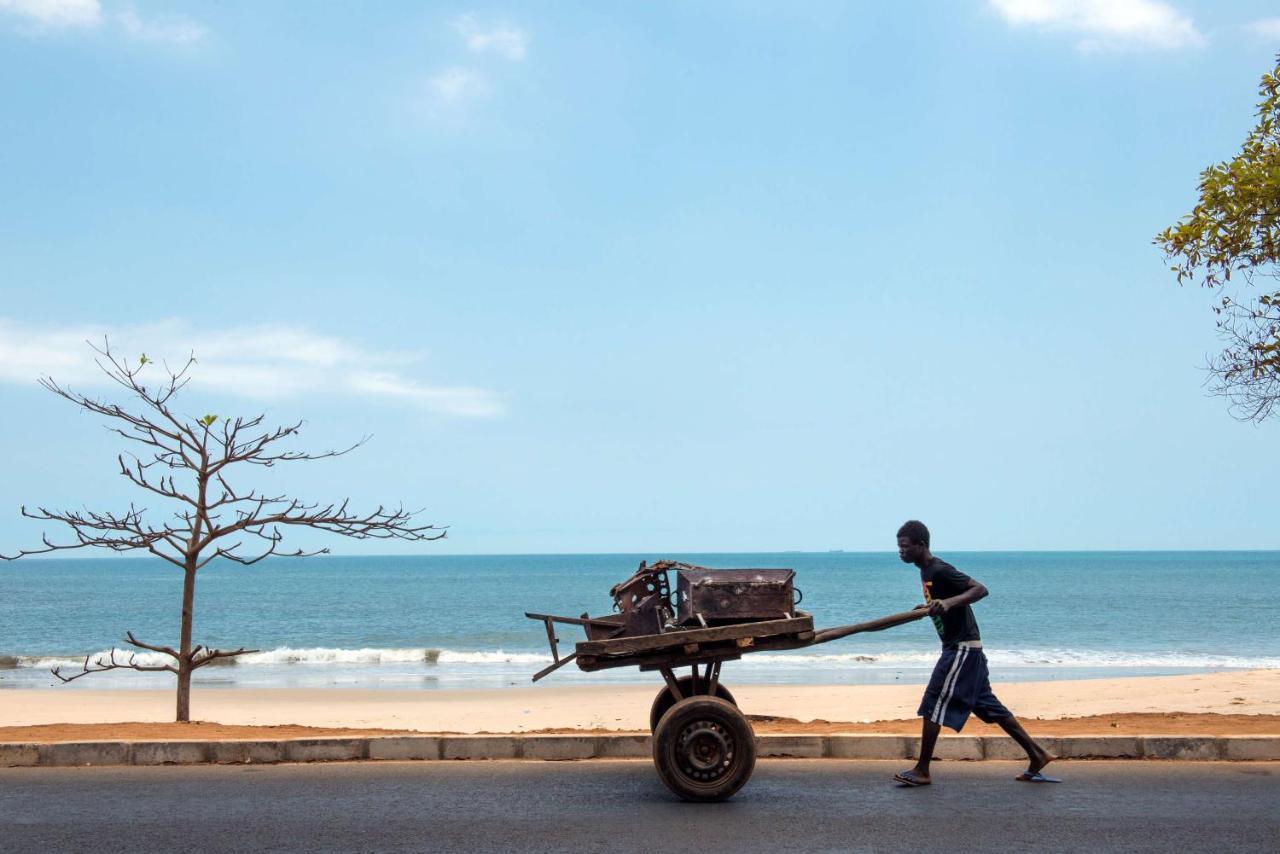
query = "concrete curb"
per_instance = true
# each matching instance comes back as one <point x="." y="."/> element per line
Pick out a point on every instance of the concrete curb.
<point x="618" y="746"/>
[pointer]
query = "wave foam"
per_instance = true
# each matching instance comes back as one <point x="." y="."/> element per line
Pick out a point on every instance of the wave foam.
<point x="337" y="655"/>
<point x="1021" y="658"/>
<point x="372" y="656"/>
<point x="303" y="655"/>
<point x="368" y="655"/>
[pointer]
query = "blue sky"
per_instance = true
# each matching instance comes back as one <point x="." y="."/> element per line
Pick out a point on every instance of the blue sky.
<point x="644" y="277"/>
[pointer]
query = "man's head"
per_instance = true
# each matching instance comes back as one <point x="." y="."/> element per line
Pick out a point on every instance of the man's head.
<point x="913" y="542"/>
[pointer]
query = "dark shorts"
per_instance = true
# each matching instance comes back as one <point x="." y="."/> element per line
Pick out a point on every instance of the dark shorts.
<point x="959" y="687"/>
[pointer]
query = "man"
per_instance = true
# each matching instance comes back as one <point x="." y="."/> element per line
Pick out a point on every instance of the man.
<point x="960" y="684"/>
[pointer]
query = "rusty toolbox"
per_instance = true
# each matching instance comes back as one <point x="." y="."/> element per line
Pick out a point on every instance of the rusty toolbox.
<point x="643" y="600"/>
<point x="715" y="596"/>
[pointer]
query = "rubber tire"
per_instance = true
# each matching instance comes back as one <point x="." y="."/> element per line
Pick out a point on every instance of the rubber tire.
<point x="666" y="700"/>
<point x="726" y="717"/>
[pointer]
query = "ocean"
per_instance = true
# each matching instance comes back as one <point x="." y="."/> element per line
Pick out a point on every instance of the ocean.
<point x="451" y="622"/>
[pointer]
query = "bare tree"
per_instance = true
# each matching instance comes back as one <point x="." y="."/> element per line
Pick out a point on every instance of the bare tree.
<point x="186" y="463"/>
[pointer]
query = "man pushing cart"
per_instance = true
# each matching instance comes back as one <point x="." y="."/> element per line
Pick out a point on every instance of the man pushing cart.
<point x="960" y="685"/>
<point x="703" y="745"/>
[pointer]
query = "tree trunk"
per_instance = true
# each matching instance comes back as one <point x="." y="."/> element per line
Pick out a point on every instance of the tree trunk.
<point x="184" y="650"/>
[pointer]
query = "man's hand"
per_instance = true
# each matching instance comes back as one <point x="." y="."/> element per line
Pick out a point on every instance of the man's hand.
<point x="938" y="607"/>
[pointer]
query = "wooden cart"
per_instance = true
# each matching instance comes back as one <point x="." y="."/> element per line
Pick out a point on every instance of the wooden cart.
<point x="703" y="745"/>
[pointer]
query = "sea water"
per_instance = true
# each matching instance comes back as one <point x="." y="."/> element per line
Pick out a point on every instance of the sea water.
<point x="458" y="622"/>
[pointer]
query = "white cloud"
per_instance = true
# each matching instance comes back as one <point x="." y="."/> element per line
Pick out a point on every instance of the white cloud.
<point x="449" y="89"/>
<point x="46" y="15"/>
<point x="454" y="85"/>
<point x="1267" y="28"/>
<point x="458" y="400"/>
<point x="54" y="14"/>
<point x="267" y="362"/>
<point x="505" y="40"/>
<point x="1106" y="24"/>
<point x="174" y="31"/>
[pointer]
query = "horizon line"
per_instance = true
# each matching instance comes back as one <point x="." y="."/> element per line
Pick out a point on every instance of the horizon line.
<point x="115" y="556"/>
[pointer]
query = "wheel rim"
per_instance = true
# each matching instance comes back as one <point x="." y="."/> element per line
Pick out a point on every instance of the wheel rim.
<point x="704" y="751"/>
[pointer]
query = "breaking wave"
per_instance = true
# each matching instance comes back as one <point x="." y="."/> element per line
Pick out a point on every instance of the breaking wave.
<point x="1008" y="658"/>
<point x="430" y="657"/>
<point x="427" y="656"/>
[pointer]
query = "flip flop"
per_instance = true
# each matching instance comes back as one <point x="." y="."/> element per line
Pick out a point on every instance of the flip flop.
<point x="1028" y="777"/>
<point x="906" y="778"/>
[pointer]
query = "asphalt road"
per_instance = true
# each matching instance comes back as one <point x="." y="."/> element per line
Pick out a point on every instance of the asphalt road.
<point x="789" y="805"/>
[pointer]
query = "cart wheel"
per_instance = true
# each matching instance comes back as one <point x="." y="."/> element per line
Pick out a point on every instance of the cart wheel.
<point x="704" y="749"/>
<point x="666" y="699"/>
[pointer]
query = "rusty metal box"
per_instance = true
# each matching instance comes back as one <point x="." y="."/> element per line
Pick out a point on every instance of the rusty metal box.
<point x="719" y="596"/>
<point x="603" y="628"/>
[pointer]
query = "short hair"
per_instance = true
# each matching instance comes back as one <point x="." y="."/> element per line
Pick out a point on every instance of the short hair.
<point x="915" y="531"/>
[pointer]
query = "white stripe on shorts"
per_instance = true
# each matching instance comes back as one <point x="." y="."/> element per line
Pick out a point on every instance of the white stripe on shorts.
<point x="949" y="685"/>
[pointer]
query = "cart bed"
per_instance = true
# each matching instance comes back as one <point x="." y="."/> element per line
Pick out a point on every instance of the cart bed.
<point x="692" y="646"/>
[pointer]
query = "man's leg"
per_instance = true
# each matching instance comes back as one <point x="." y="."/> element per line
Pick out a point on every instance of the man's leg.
<point x="990" y="710"/>
<point x="928" y="740"/>
<point x="1037" y="756"/>
<point x="929" y="704"/>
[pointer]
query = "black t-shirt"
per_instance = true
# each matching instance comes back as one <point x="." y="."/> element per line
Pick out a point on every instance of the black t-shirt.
<point x="941" y="580"/>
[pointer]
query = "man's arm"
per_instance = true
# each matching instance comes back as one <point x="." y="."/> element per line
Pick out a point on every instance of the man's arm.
<point x="972" y="593"/>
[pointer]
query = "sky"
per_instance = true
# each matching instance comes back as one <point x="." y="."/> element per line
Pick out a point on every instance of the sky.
<point x="652" y="277"/>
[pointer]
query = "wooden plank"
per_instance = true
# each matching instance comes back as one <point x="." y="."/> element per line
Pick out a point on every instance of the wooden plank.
<point x="673" y="684"/>
<point x="611" y="620"/>
<point x="707" y="657"/>
<point x="657" y="661"/>
<point x="725" y="651"/>
<point x="560" y="662"/>
<point x="875" y="625"/>
<point x="777" y="644"/>
<point x="644" y="643"/>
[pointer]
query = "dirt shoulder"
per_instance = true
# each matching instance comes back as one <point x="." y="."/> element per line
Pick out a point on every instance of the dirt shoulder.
<point x="1173" y="723"/>
<point x="1170" y="723"/>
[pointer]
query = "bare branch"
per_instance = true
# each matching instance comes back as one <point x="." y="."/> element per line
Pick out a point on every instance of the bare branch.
<point x="381" y="524"/>
<point x="127" y="377"/>
<point x="1247" y="371"/>
<point x="211" y="655"/>
<point x="102" y="664"/>
<point x="254" y="450"/>
<point x="273" y="538"/>
<point x="167" y="650"/>
<point x="165" y="487"/>
<point x="118" y="532"/>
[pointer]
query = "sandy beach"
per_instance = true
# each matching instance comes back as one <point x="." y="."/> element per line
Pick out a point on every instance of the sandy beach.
<point x="1212" y="703"/>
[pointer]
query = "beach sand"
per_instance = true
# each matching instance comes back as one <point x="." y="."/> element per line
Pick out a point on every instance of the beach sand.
<point x="1224" y="703"/>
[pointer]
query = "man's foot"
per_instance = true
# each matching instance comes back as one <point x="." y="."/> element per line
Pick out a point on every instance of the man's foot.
<point x="1035" y="766"/>
<point x="1037" y="762"/>
<point x="912" y="778"/>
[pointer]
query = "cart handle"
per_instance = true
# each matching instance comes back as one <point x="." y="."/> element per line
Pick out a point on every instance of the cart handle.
<point x="870" y="626"/>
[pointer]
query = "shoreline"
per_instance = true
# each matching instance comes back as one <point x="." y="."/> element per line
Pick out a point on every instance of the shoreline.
<point x="1243" y="695"/>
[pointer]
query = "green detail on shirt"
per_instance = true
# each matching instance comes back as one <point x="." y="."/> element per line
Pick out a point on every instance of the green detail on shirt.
<point x="937" y="618"/>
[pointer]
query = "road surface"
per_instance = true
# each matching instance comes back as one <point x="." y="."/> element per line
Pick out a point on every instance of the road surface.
<point x="789" y="805"/>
